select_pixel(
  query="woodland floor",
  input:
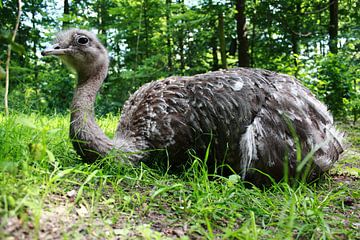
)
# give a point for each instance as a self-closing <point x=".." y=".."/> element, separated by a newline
<point x="50" y="194"/>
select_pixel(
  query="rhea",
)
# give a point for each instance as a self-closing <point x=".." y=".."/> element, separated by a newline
<point x="251" y="121"/>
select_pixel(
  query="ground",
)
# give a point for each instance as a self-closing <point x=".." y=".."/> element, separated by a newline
<point x="48" y="193"/>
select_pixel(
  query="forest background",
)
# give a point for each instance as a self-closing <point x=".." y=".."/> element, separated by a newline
<point x="316" y="41"/>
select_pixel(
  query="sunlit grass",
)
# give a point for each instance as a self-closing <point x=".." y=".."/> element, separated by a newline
<point x="40" y="174"/>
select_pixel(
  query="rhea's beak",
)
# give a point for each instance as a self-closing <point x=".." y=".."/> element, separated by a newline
<point x="55" y="50"/>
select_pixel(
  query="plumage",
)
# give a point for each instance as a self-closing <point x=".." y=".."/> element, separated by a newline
<point x="252" y="118"/>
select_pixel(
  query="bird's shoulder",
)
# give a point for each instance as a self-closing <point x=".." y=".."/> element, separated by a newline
<point x="232" y="88"/>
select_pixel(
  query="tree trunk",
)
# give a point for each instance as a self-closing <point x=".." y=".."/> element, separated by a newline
<point x="295" y="31"/>
<point x="181" y="51"/>
<point x="34" y="46"/>
<point x="215" y="59"/>
<point x="222" y="41"/>
<point x="320" y="46"/>
<point x="295" y="51"/>
<point x="168" y="36"/>
<point x="243" y="44"/>
<point x="213" y="40"/>
<point x="66" y="13"/>
<point x="101" y="12"/>
<point x="333" y="26"/>
<point x="181" y="33"/>
<point x="7" y="69"/>
<point x="146" y="26"/>
<point x="252" y="42"/>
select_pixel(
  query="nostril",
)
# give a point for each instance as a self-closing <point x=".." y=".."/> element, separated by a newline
<point x="57" y="47"/>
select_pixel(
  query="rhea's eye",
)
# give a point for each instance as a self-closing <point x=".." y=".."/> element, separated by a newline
<point x="82" y="40"/>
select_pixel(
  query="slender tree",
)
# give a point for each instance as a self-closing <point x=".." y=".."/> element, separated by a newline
<point x="66" y="14"/>
<point x="333" y="26"/>
<point x="222" y="40"/>
<point x="295" y="34"/>
<point x="35" y="41"/>
<point x="145" y="8"/>
<point x="252" y="42"/>
<point x="6" y="104"/>
<point x="181" y="34"/>
<point x="214" y="50"/>
<point x="102" y="19"/>
<point x="168" y="35"/>
<point x="243" y="44"/>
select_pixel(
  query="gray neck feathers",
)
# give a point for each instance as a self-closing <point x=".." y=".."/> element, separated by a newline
<point x="88" y="139"/>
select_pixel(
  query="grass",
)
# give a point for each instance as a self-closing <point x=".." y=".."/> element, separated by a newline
<point x="48" y="193"/>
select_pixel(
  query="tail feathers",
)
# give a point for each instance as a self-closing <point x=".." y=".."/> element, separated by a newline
<point x="333" y="147"/>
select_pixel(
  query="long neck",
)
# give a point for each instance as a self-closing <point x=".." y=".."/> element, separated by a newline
<point x="88" y="139"/>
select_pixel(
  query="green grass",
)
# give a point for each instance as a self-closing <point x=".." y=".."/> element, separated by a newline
<point x="47" y="192"/>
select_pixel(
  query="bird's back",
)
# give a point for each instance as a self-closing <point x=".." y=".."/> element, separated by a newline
<point x="250" y="118"/>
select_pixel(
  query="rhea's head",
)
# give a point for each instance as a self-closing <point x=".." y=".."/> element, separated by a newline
<point x="80" y="50"/>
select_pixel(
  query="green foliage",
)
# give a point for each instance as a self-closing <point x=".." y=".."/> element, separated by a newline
<point x="334" y="84"/>
<point x="2" y="73"/>
<point x="335" y="81"/>
<point x="5" y="38"/>
<point x="153" y="39"/>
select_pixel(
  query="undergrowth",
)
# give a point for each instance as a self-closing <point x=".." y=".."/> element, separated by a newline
<point x="47" y="192"/>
